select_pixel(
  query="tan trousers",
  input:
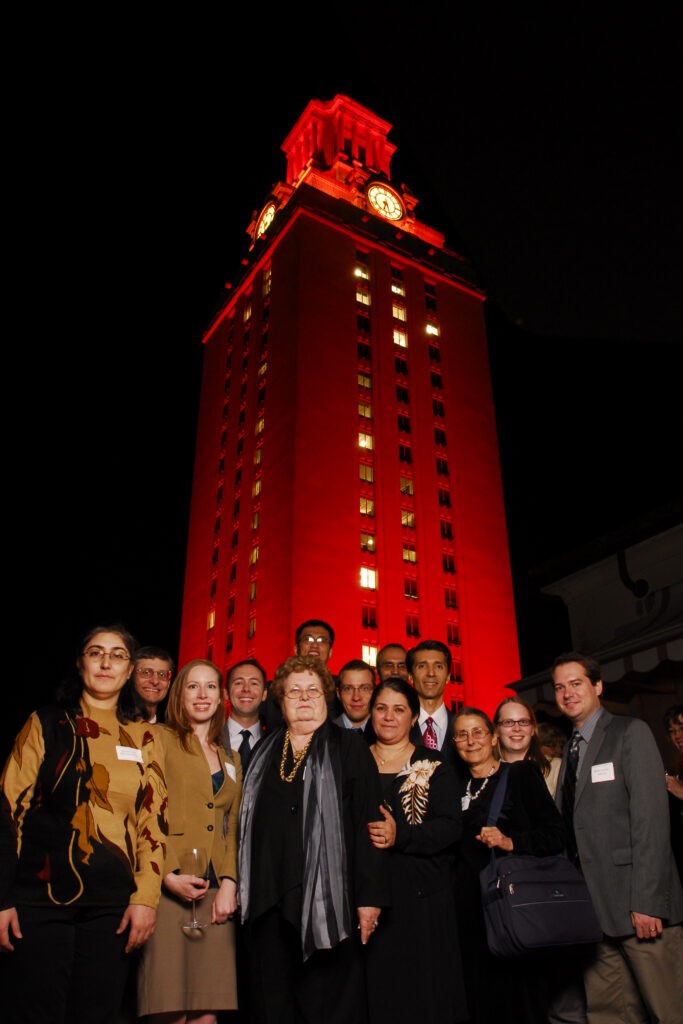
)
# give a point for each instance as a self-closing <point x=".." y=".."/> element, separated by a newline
<point x="633" y="981"/>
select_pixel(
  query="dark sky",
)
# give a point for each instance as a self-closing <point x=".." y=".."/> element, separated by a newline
<point x="546" y="153"/>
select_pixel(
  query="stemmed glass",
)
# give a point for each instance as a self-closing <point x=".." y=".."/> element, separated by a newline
<point x="193" y="861"/>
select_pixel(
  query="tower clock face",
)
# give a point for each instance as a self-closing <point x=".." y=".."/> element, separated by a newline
<point x="265" y="219"/>
<point x="385" y="202"/>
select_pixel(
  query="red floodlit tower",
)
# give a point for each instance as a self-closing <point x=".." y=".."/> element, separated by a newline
<point x="347" y="461"/>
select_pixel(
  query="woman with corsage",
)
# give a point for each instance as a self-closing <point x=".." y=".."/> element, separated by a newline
<point x="529" y="823"/>
<point x="311" y="883"/>
<point x="418" y="830"/>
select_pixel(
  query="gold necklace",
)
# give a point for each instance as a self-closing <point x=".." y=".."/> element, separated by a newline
<point x="298" y="758"/>
<point x="391" y="757"/>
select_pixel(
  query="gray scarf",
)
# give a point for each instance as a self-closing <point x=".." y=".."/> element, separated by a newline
<point x="326" y="909"/>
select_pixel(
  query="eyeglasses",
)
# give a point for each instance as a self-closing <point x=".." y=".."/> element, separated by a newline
<point x="311" y="693"/>
<point x="162" y="674"/>
<point x="98" y="653"/>
<point x="309" y="639"/>
<point x="673" y="730"/>
<point x="475" y="734"/>
<point x="365" y="689"/>
<point x="507" y="723"/>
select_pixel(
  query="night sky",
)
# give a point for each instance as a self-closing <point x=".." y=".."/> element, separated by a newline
<point x="545" y="152"/>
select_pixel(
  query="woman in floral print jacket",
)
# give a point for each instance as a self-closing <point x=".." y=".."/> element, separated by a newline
<point x="82" y="843"/>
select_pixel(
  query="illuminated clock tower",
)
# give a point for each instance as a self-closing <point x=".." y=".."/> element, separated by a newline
<point x="346" y="460"/>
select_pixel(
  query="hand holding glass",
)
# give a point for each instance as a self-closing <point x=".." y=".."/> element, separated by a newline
<point x="193" y="861"/>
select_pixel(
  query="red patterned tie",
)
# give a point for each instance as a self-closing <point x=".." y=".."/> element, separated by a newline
<point x="429" y="735"/>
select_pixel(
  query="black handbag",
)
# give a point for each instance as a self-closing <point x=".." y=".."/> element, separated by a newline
<point x="533" y="903"/>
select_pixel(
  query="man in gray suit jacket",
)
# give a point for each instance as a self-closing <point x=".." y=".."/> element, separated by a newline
<point x="622" y="844"/>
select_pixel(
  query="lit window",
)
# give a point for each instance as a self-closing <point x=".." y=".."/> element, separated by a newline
<point x="363" y="296"/>
<point x="211" y="619"/>
<point x="260" y="425"/>
<point x="267" y="275"/>
<point x="366" y="441"/>
<point x="247" y="312"/>
<point x="399" y="312"/>
<point x="263" y="367"/>
<point x="368" y="578"/>
<point x="364" y="380"/>
<point x="432" y="329"/>
<point x="255" y="520"/>
<point x="407" y="486"/>
<point x="256" y="489"/>
<point x="251" y="629"/>
<point x="253" y="555"/>
<point x="258" y="455"/>
<point x="363" y="273"/>
<point x="367" y="541"/>
<point x="407" y="518"/>
<point x="367" y="473"/>
<point x="409" y="553"/>
<point x="367" y="507"/>
<point x="400" y="337"/>
<point x="252" y="590"/>
<point x="365" y="409"/>
<point x="369" y="653"/>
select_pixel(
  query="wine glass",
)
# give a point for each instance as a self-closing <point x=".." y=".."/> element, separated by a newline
<point x="193" y="861"/>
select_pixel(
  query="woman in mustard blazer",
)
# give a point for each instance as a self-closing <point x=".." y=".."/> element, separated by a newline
<point x="190" y="971"/>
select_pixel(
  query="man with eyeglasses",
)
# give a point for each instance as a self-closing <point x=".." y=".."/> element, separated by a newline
<point x="391" y="661"/>
<point x="314" y="637"/>
<point x="354" y="690"/>
<point x="154" y="668"/>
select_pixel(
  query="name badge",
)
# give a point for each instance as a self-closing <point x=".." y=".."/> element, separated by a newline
<point x="465" y="801"/>
<point x="602" y="772"/>
<point x="230" y="769"/>
<point x="128" y="754"/>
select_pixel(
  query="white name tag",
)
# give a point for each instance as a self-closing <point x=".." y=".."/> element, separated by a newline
<point x="465" y="801"/>
<point x="602" y="772"/>
<point x="230" y="769"/>
<point x="128" y="754"/>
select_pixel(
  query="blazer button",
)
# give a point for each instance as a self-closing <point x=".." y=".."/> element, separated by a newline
<point x="210" y="806"/>
<point x="294" y="809"/>
<point x="209" y="828"/>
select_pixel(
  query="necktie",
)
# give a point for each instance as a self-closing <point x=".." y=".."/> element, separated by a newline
<point x="429" y="735"/>
<point x="245" y="749"/>
<point x="568" y="792"/>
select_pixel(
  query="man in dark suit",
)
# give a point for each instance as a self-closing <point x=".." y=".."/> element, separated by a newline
<point x="619" y="835"/>
<point x="429" y="669"/>
<point x="355" y="685"/>
<point x="245" y="685"/>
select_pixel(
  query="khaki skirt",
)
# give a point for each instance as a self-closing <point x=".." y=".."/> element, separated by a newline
<point x="178" y="972"/>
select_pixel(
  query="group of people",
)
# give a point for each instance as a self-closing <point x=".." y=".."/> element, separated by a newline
<point x="315" y="855"/>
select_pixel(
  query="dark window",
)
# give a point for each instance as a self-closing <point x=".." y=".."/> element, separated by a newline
<point x="440" y="437"/>
<point x="444" y="498"/>
<point x="442" y="467"/>
<point x="435" y="379"/>
<point x="446" y="530"/>
<point x="404" y="424"/>
<point x="412" y="625"/>
<point x="448" y="564"/>
<point x="401" y="366"/>
<point x="402" y="394"/>
<point x="404" y="453"/>
<point x="369" y="617"/>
